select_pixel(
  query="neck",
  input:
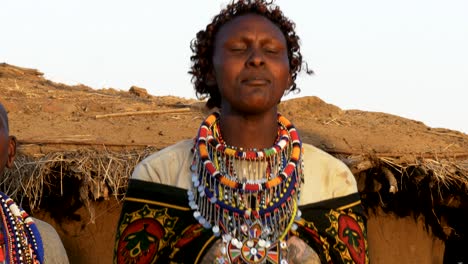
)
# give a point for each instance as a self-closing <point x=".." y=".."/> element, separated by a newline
<point x="252" y="131"/>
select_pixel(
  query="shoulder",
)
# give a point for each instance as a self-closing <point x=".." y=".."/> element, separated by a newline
<point x="182" y="148"/>
<point x="319" y="158"/>
<point x="166" y="165"/>
<point x="325" y="176"/>
<point x="54" y="252"/>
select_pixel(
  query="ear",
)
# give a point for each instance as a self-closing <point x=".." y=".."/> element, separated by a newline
<point x="288" y="86"/>
<point x="11" y="151"/>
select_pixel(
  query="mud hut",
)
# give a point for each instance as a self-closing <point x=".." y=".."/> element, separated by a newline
<point x="78" y="147"/>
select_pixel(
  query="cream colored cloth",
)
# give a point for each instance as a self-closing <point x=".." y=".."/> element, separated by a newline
<point x="325" y="177"/>
<point x="54" y="252"/>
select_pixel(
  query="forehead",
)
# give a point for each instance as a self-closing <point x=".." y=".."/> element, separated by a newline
<point x="247" y="24"/>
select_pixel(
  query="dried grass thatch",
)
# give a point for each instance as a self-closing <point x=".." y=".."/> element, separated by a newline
<point x="404" y="185"/>
<point x="70" y="178"/>
<point x="430" y="186"/>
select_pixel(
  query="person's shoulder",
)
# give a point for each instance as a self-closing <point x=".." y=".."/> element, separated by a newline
<point x="45" y="229"/>
<point x="181" y="148"/>
<point x="319" y="156"/>
<point x="54" y="251"/>
<point x="326" y="175"/>
<point x="167" y="165"/>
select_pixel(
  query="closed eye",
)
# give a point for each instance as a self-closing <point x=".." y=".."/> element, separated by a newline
<point x="271" y="49"/>
<point x="237" y="48"/>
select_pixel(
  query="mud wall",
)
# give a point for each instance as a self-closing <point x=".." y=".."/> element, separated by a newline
<point x="391" y="239"/>
<point x="87" y="242"/>
<point x="402" y="240"/>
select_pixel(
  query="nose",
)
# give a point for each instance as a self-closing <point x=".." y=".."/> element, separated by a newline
<point x="256" y="58"/>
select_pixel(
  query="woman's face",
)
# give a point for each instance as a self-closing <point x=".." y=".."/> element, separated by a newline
<point x="251" y="66"/>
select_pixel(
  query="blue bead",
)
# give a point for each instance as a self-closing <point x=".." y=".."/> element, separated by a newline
<point x="197" y="215"/>
<point x="207" y="225"/>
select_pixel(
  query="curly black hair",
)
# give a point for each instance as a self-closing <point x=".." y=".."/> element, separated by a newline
<point x="202" y="46"/>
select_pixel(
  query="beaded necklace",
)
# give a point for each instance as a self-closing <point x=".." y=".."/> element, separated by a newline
<point x="249" y="197"/>
<point x="21" y="241"/>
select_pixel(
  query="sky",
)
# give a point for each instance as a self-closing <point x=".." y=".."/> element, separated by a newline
<point x="407" y="58"/>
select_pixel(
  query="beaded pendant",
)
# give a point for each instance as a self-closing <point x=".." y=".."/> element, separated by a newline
<point x="248" y="197"/>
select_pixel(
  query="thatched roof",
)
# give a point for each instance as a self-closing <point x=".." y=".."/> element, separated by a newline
<point x="71" y="147"/>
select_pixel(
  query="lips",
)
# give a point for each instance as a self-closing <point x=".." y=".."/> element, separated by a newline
<point x="255" y="81"/>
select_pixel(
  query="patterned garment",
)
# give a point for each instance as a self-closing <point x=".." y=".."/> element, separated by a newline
<point x="335" y="229"/>
<point x="157" y="226"/>
<point x="20" y="241"/>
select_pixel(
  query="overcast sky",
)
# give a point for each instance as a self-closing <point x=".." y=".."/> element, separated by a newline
<point x="404" y="57"/>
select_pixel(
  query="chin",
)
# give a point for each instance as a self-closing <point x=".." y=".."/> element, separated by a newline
<point x="258" y="108"/>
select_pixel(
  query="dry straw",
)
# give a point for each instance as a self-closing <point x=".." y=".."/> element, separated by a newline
<point x="98" y="173"/>
<point x="405" y="185"/>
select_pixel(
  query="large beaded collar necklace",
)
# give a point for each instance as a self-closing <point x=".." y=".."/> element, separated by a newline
<point x="248" y="197"/>
<point x="20" y="241"/>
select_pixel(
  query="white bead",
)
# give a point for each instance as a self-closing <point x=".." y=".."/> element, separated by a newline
<point x="250" y="243"/>
<point x="262" y="243"/>
<point x="226" y="238"/>
<point x="283" y="245"/>
<point x="239" y="245"/>
<point x="248" y="212"/>
<point x="236" y="243"/>
<point x="192" y="205"/>
<point x="196" y="214"/>
<point x="244" y="228"/>
<point x="298" y="215"/>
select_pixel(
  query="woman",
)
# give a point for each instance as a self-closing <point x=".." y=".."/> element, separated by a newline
<point x="246" y="189"/>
